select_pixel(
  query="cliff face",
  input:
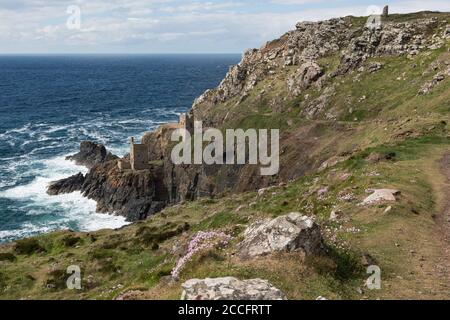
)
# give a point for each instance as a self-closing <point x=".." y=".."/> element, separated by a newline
<point x="294" y="79"/>
<point x="135" y="195"/>
<point x="310" y="83"/>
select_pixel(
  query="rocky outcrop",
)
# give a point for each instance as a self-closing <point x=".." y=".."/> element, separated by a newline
<point x="309" y="42"/>
<point x="134" y="195"/>
<point x="91" y="154"/>
<point x="292" y="232"/>
<point x="230" y="289"/>
<point x="302" y="79"/>
<point x="381" y="195"/>
<point x="69" y="185"/>
<point x="438" y="78"/>
<point x="447" y="31"/>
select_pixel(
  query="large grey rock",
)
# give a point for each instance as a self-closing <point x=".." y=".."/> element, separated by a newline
<point x="447" y="31"/>
<point x="230" y="288"/>
<point x="305" y="75"/>
<point x="292" y="232"/>
<point x="381" y="195"/>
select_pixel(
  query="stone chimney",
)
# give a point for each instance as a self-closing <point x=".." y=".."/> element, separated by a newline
<point x="385" y="11"/>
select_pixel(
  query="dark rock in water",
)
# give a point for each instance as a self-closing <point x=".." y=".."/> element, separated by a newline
<point x="68" y="185"/>
<point x="91" y="154"/>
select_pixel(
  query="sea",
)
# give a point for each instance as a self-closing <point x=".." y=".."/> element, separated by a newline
<point x="49" y="104"/>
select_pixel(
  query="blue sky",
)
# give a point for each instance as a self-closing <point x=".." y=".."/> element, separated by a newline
<point x="169" y="26"/>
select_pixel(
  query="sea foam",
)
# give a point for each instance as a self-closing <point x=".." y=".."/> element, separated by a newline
<point x="68" y="211"/>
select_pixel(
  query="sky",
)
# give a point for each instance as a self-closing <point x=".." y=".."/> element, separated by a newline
<point x="168" y="26"/>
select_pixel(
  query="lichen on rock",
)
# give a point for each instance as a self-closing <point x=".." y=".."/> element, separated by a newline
<point x="230" y="288"/>
<point x="292" y="232"/>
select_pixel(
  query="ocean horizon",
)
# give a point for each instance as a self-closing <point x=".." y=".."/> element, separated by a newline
<point x="50" y="103"/>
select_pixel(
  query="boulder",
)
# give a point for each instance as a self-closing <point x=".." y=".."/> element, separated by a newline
<point x="292" y="232"/>
<point x="131" y="295"/>
<point x="447" y="31"/>
<point x="230" y="288"/>
<point x="91" y="154"/>
<point x="376" y="157"/>
<point x="335" y="215"/>
<point x="306" y="74"/>
<point x="381" y="195"/>
<point x="374" y="67"/>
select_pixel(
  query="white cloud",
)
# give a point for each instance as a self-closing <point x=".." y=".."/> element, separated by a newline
<point x="166" y="25"/>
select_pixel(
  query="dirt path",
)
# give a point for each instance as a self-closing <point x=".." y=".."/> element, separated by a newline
<point x="443" y="218"/>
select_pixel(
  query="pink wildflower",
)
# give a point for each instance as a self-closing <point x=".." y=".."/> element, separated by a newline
<point x="201" y="241"/>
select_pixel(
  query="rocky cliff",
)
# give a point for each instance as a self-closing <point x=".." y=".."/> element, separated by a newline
<point x="292" y="84"/>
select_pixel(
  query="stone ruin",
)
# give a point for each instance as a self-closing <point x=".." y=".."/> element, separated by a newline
<point x="140" y="154"/>
<point x="139" y="159"/>
<point x="187" y="122"/>
<point x="385" y="13"/>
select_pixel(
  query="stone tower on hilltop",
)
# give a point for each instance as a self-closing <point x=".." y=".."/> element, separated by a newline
<point x="385" y="13"/>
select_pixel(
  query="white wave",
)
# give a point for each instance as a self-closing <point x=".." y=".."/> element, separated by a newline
<point x="102" y="221"/>
<point x="23" y="129"/>
<point x="57" y="128"/>
<point x="68" y="209"/>
<point x="36" y="150"/>
<point x="27" y="229"/>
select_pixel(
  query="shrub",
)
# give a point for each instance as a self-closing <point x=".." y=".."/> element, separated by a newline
<point x="70" y="240"/>
<point x="28" y="246"/>
<point x="7" y="256"/>
<point x="56" y="279"/>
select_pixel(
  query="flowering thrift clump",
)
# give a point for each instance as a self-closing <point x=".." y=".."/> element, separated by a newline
<point x="201" y="241"/>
